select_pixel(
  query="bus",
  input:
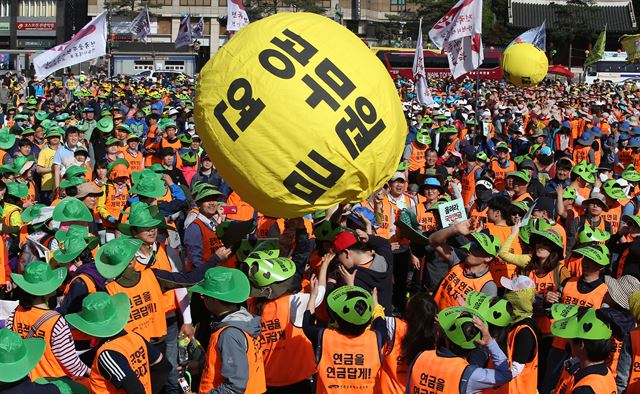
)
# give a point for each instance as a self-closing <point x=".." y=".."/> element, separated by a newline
<point x="399" y="62"/>
<point x="612" y="67"/>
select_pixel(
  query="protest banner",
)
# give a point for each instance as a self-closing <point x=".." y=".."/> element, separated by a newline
<point x="452" y="212"/>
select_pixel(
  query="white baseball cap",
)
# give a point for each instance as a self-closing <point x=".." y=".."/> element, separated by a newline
<point x="518" y="283"/>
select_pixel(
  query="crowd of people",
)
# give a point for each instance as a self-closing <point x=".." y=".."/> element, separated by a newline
<point x="129" y="265"/>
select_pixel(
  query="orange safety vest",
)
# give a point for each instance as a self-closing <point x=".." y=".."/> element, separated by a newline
<point x="574" y="265"/>
<point x="266" y="223"/>
<point x="599" y="384"/>
<point x="501" y="173"/>
<point x="581" y="153"/>
<point x="633" y="384"/>
<point x="635" y="159"/>
<point x="431" y="373"/>
<point x="133" y="347"/>
<point x="244" y="210"/>
<point x="212" y="375"/>
<point x="281" y="343"/>
<point x="417" y="159"/>
<point x="523" y="197"/>
<point x="613" y="216"/>
<point x="114" y="204"/>
<point x="136" y="163"/>
<point x="481" y="216"/>
<point x="147" y="316"/>
<point x="544" y="285"/>
<point x="452" y="147"/>
<point x="468" y="183"/>
<point x="625" y="156"/>
<point x="91" y="288"/>
<point x="621" y="262"/>
<point x="426" y="219"/>
<point x="499" y="267"/>
<point x="395" y="367"/>
<point x="571" y="295"/>
<point x="455" y="284"/>
<point x="162" y="263"/>
<point x="348" y="364"/>
<point x="527" y="381"/>
<point x="616" y="349"/>
<point x="210" y="242"/>
<point x="23" y="319"/>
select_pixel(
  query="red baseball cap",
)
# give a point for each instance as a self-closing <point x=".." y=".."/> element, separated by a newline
<point x="343" y="240"/>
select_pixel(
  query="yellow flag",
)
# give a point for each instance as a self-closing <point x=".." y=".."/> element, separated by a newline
<point x="631" y="45"/>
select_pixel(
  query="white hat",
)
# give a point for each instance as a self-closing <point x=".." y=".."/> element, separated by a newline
<point x="519" y="283"/>
<point x="398" y="175"/>
<point x="484" y="183"/>
<point x="468" y="108"/>
<point x="173" y="111"/>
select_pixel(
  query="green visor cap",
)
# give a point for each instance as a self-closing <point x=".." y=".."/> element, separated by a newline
<point x="114" y="256"/>
<point x="563" y="311"/>
<point x="583" y="171"/>
<point x="452" y="321"/>
<point x="270" y="246"/>
<point x="583" y="325"/>
<point x="613" y="190"/>
<point x="188" y="158"/>
<point x="488" y="243"/>
<point x="552" y="236"/>
<point x="326" y="231"/>
<point x="494" y="310"/>
<point x="570" y="193"/>
<point x="520" y="175"/>
<point x="597" y="253"/>
<point x="590" y="234"/>
<point x="632" y="220"/>
<point x="18" y="356"/>
<point x="403" y="166"/>
<point x="225" y="284"/>
<point x="521" y="205"/>
<point x="101" y="316"/>
<point x="352" y="304"/>
<point x="265" y="272"/>
<point x="631" y="174"/>
<point x="423" y="137"/>
<point x="39" y="279"/>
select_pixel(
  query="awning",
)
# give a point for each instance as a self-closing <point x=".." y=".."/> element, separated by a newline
<point x="558" y="69"/>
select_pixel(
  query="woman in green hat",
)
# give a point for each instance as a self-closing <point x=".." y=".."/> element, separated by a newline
<point x="12" y="204"/>
<point x="124" y="361"/>
<point x="33" y="317"/>
<point x="18" y="357"/>
<point x="588" y="236"/>
<point x="462" y="331"/>
<point x="628" y="251"/>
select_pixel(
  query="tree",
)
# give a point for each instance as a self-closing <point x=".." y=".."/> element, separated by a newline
<point x="258" y="9"/>
<point x="129" y="8"/>
<point x="565" y="29"/>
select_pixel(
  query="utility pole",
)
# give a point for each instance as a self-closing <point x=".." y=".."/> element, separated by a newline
<point x="109" y="63"/>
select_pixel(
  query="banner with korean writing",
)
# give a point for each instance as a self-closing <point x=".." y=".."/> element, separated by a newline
<point x="184" y="37"/>
<point x="288" y="113"/>
<point x="452" y="212"/>
<point x="89" y="43"/>
<point x="236" y="15"/>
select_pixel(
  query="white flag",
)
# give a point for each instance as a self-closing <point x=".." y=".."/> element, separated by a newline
<point x="458" y="33"/>
<point x="198" y="29"/>
<point x="536" y="36"/>
<point x="89" y="43"/>
<point x="184" y="33"/>
<point x="422" y="89"/>
<point x="236" y="15"/>
<point x="140" y="26"/>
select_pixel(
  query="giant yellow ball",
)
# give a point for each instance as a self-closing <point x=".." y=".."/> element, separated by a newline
<point x="298" y="114"/>
<point x="524" y="64"/>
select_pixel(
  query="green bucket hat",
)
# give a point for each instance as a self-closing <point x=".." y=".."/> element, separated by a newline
<point x="488" y="243"/>
<point x="114" y="256"/>
<point x="408" y="222"/>
<point x="224" y="284"/>
<point x="494" y="310"/>
<point x="613" y="190"/>
<point x="590" y="234"/>
<point x="570" y="193"/>
<point x="62" y="117"/>
<point x="72" y="242"/>
<point x="632" y="219"/>
<point x="158" y="168"/>
<point x="423" y="137"/>
<point x="28" y="131"/>
<point x="140" y="215"/>
<point x="17" y="189"/>
<point x="75" y="171"/>
<point x="105" y="112"/>
<point x="552" y="236"/>
<point x="112" y="141"/>
<point x="22" y="117"/>
<point x="268" y="246"/>
<point x="39" y="279"/>
<point x="105" y="124"/>
<point x="18" y="356"/>
<point x="64" y="385"/>
<point x="188" y="158"/>
<point x="53" y="132"/>
<point x="148" y="184"/>
<point x="31" y="212"/>
<point x="7" y="140"/>
<point x="41" y="115"/>
<point x="352" y="304"/>
<point x="582" y="325"/>
<point x="102" y="316"/>
<point x="583" y="171"/>
<point x="597" y="253"/>
<point x="75" y="181"/>
<point x="631" y="174"/>
<point x="185" y="138"/>
<point x="169" y="123"/>
<point x="452" y="320"/>
<point x="70" y="209"/>
<point x="267" y="271"/>
<point x="326" y="231"/>
<point x="520" y="175"/>
<point x="48" y="124"/>
<point x="23" y="164"/>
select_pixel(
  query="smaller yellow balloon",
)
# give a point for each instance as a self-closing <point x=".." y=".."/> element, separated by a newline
<point x="524" y="64"/>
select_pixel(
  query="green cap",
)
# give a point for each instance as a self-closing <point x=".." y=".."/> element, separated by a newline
<point x="631" y="174"/>
<point x="582" y="325"/>
<point x="502" y="145"/>
<point x="408" y="222"/>
<point x="31" y="212"/>
<point x="18" y="356"/>
<point x="494" y="310"/>
<point x="521" y="205"/>
<point x="185" y="138"/>
<point x="206" y="193"/>
<point x="7" y="140"/>
<point x="570" y="193"/>
<point x="453" y="319"/>
<point x="597" y="253"/>
<point x="523" y="175"/>
<point x="423" y="137"/>
<point x="17" y="189"/>
<point x="101" y="316"/>
<point x="124" y="127"/>
<point x="488" y="243"/>
<point x="81" y="127"/>
<point x="75" y="181"/>
<point x="189" y="158"/>
<point x="590" y="234"/>
<point x="158" y="168"/>
<point x="482" y="156"/>
<point x="403" y="166"/>
<point x="267" y="271"/>
<point x="148" y="184"/>
<point x="613" y="190"/>
<point x="70" y="209"/>
<point x="62" y="117"/>
<point x="41" y="115"/>
<point x="141" y="215"/>
<point x="114" y="256"/>
<point x="105" y="124"/>
<point x="169" y="123"/>
<point x="25" y="117"/>
<point x="268" y="246"/>
<point x="53" y="132"/>
<point x="352" y="304"/>
<point x="64" y="385"/>
<point x="75" y="171"/>
<point x="583" y="171"/>
<point x="225" y="284"/>
<point x="28" y="131"/>
<point x="326" y="231"/>
<point x="72" y="242"/>
<point x="551" y="235"/>
<point x="39" y="279"/>
<point x="112" y="141"/>
<point x="447" y="130"/>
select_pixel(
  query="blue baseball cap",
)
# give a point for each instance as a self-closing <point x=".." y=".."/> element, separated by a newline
<point x="432" y="182"/>
<point x="88" y="109"/>
<point x="546" y="151"/>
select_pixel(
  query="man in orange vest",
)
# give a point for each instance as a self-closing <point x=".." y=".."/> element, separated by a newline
<point x="233" y="359"/>
<point x="125" y="361"/>
<point x="502" y="165"/>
